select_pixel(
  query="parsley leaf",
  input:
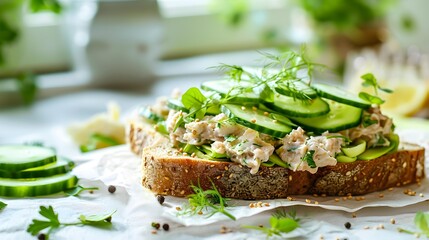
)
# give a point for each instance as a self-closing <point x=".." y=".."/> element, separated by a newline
<point x="281" y="222"/>
<point x="39" y="225"/>
<point x="78" y="189"/>
<point x="308" y="157"/>
<point x="53" y="221"/>
<point x="206" y="200"/>
<point x="2" y="205"/>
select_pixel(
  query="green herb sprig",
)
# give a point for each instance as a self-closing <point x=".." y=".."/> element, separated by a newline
<point x="421" y="220"/>
<point x="53" y="223"/>
<point x="282" y="70"/>
<point x="78" y="190"/>
<point x="369" y="80"/>
<point x="2" y="205"/>
<point x="280" y="222"/>
<point x="308" y="158"/>
<point x="206" y="200"/>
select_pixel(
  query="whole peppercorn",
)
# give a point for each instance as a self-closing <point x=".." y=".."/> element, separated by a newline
<point x="160" y="199"/>
<point x="111" y="189"/>
<point x="165" y="226"/>
<point x="156" y="225"/>
<point x="41" y="236"/>
<point x="348" y="225"/>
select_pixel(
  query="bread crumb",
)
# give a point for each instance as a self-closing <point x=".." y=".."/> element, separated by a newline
<point x="266" y="204"/>
<point x="307" y="200"/>
<point x="289" y="198"/>
<point x="353" y="215"/>
<point x="182" y="192"/>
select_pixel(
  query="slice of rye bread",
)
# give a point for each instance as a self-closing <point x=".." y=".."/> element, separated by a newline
<point x="166" y="171"/>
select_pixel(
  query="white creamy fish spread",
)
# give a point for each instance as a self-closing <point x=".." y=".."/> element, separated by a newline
<point x="299" y="150"/>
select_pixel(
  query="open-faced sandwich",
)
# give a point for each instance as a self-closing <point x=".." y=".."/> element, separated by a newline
<point x="270" y="134"/>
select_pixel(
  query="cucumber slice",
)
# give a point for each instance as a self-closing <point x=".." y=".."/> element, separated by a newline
<point x="376" y="152"/>
<point x="298" y="108"/>
<point x="340" y="117"/>
<point x="340" y="95"/>
<point x="274" y="158"/>
<point x="37" y="186"/>
<point x="15" y="158"/>
<point x="148" y="114"/>
<point x="288" y="90"/>
<point x="223" y="87"/>
<point x="255" y="119"/>
<point x="345" y="159"/>
<point x="62" y="165"/>
<point x="354" y="151"/>
<point x="176" y="104"/>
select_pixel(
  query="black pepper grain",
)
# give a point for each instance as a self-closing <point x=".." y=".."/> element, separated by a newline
<point x="160" y="199"/>
<point x="165" y="226"/>
<point x="41" y="236"/>
<point x="156" y="225"/>
<point x="111" y="189"/>
<point x="348" y="225"/>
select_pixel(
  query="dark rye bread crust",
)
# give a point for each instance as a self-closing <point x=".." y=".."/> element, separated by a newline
<point x="168" y="172"/>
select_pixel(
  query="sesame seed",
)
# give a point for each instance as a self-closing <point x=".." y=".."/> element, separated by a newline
<point x="266" y="113"/>
<point x="253" y="120"/>
<point x="315" y="195"/>
<point x="323" y="195"/>
<point x="178" y="208"/>
<point x="371" y="180"/>
<point x="153" y="231"/>
<point x="290" y="178"/>
<point x="353" y="215"/>
<point x="186" y="170"/>
<point x="355" y="178"/>
<point x="366" y="227"/>
<point x="392" y="221"/>
<point x="185" y="154"/>
<point x="231" y="175"/>
<point x="226" y="168"/>
<point x="243" y="108"/>
<point x="381" y="226"/>
<point x="274" y="121"/>
<point x="316" y="202"/>
<point x="307" y="200"/>
<point x="197" y="120"/>
<point x="254" y="108"/>
<point x="393" y="160"/>
<point x="193" y="155"/>
<point x="421" y="195"/>
<point x="200" y="212"/>
<point x="166" y="178"/>
<point x="182" y="192"/>
<point x="404" y="165"/>
<point x="266" y="204"/>
<point x="212" y="165"/>
<point x="390" y="189"/>
<point x="348" y="173"/>
<point x="337" y="199"/>
<point x="381" y="195"/>
<point x="289" y="198"/>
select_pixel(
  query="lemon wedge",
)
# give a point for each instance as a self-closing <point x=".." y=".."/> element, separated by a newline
<point x="407" y="98"/>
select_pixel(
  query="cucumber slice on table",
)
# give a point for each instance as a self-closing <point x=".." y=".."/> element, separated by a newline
<point x="223" y="87"/>
<point x="298" y="108"/>
<point x="293" y="87"/>
<point x="19" y="157"/>
<point x="340" y="95"/>
<point x="176" y="104"/>
<point x="37" y="186"/>
<point x="340" y="117"/>
<point x="62" y="165"/>
<point x="256" y="120"/>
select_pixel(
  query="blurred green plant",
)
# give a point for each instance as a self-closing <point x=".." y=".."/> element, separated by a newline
<point x="232" y="12"/>
<point x="345" y="15"/>
<point x="9" y="34"/>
